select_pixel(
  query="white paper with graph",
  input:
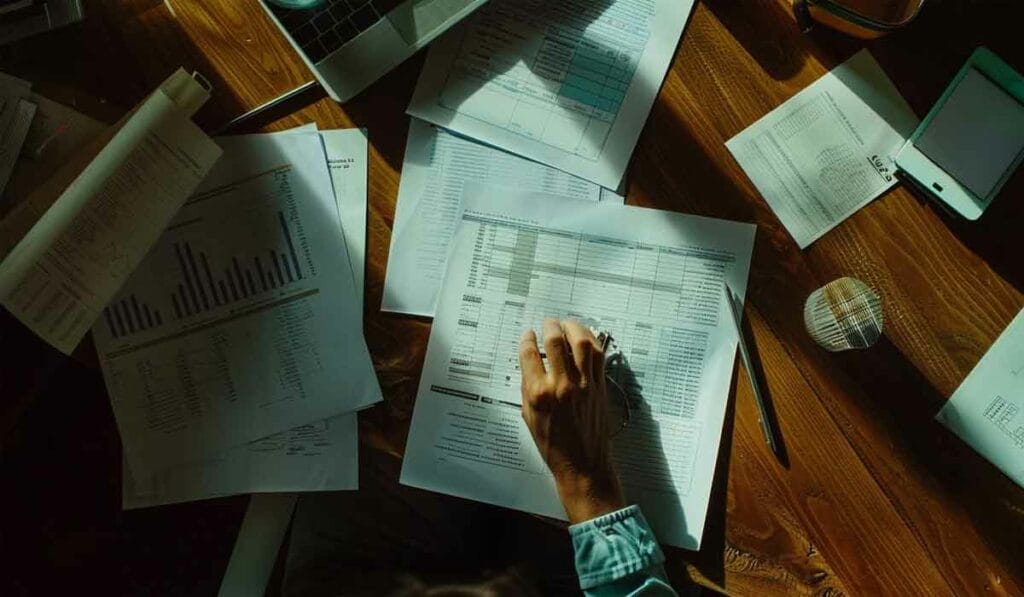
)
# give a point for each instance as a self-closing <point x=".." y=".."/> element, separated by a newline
<point x="568" y="84"/>
<point x="243" y="320"/>
<point x="320" y="456"/>
<point x="653" y="279"/>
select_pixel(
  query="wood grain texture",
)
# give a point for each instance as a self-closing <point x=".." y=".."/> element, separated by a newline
<point x="877" y="498"/>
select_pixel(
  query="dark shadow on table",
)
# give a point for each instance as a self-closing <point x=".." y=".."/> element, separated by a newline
<point x="710" y="559"/>
<point x="647" y="476"/>
<point x="119" y="64"/>
<point x="996" y="236"/>
<point x="381" y="107"/>
<point x="63" y="527"/>
<point x="895" y="391"/>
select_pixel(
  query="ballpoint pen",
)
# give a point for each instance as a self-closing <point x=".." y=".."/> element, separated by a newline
<point x="766" y="426"/>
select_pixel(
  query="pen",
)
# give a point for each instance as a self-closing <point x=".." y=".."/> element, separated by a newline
<point x="769" y="433"/>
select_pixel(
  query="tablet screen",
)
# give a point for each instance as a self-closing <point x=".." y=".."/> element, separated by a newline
<point x="977" y="133"/>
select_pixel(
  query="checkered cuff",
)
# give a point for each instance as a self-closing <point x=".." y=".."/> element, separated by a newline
<point x="614" y="546"/>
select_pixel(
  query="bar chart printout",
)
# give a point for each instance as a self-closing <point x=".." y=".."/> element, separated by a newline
<point x="201" y="282"/>
<point x="653" y="279"/>
<point x="242" y="321"/>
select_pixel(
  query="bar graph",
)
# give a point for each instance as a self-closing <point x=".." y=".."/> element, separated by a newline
<point x="210" y="281"/>
<point x="130" y="315"/>
<point x="200" y="274"/>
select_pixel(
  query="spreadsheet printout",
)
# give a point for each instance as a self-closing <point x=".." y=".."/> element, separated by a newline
<point x="321" y="456"/>
<point x="437" y="165"/>
<point x="987" y="410"/>
<point x="568" y="84"/>
<point x="243" y="320"/>
<point x="653" y="279"/>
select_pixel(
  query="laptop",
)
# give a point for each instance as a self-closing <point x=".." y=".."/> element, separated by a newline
<point x="349" y="44"/>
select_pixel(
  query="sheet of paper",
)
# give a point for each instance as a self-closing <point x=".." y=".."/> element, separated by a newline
<point x="437" y="165"/>
<point x="317" y="457"/>
<point x="243" y="321"/>
<point x="347" y="160"/>
<point x="987" y="410"/>
<point x="568" y="84"/>
<point x="14" y="139"/>
<point x="258" y="543"/>
<point x="653" y="279"/>
<point x="322" y="456"/>
<point x="61" y="275"/>
<point x="829" y="150"/>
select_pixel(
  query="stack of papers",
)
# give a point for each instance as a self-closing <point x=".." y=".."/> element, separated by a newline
<point x="234" y="355"/>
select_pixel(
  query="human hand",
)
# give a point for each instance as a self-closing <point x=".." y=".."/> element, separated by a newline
<point x="566" y="409"/>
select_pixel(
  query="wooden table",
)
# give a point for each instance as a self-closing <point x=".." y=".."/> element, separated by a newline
<point x="877" y="498"/>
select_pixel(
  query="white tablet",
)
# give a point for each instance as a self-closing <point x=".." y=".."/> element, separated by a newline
<point x="972" y="139"/>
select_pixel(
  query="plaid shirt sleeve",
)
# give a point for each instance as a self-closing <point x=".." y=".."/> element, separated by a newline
<point x="617" y="554"/>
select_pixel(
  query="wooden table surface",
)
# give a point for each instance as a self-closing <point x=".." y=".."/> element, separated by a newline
<point x="877" y="498"/>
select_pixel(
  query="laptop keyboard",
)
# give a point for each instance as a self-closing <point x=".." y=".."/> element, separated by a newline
<point x="322" y="30"/>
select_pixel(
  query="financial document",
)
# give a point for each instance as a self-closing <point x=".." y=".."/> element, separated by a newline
<point x="437" y="165"/>
<point x="243" y="320"/>
<point x="58" y="278"/>
<point x="987" y="410"/>
<point x="568" y="84"/>
<point x="829" y="150"/>
<point x="318" y="457"/>
<point x="653" y="279"/>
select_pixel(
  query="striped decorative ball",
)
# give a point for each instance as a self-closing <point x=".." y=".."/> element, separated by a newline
<point x="844" y="314"/>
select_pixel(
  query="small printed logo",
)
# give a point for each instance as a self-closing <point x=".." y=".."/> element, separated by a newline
<point x="881" y="167"/>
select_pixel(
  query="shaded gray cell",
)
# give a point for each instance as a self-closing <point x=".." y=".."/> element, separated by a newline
<point x="522" y="263"/>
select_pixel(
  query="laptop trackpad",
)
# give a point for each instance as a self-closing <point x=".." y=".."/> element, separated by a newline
<point x="417" y="19"/>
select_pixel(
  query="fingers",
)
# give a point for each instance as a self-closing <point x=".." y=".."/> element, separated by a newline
<point x="598" y="360"/>
<point x="530" y="364"/>
<point x="556" y="349"/>
<point x="583" y="345"/>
